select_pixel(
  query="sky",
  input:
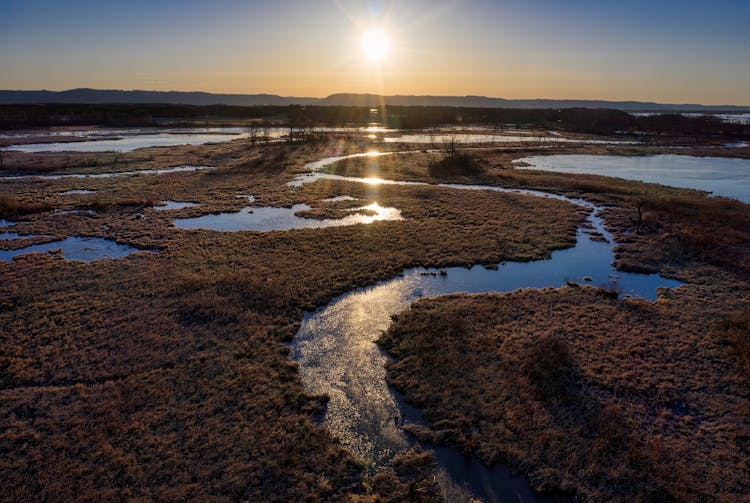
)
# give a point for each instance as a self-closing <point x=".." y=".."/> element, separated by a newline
<point x="670" y="51"/>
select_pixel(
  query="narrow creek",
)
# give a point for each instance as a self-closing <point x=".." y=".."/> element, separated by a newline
<point x="337" y="354"/>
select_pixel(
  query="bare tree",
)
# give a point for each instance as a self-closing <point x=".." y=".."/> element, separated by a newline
<point x="450" y="147"/>
<point x="253" y="130"/>
<point x="638" y="222"/>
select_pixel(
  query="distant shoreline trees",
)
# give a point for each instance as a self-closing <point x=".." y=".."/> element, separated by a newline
<point x="307" y="118"/>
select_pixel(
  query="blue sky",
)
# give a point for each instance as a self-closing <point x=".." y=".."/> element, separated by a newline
<point x="664" y="51"/>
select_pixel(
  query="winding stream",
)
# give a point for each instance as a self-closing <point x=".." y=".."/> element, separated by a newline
<point x="337" y="354"/>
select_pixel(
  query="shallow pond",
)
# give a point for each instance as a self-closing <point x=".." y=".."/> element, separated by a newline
<point x="126" y="144"/>
<point x="736" y="118"/>
<point x="443" y="138"/>
<point x="174" y="205"/>
<point x="270" y="219"/>
<point x="337" y="354"/>
<point x="127" y="140"/>
<point x="77" y="191"/>
<point x="721" y="176"/>
<point x="174" y="169"/>
<point x="74" y="248"/>
<point x="12" y="235"/>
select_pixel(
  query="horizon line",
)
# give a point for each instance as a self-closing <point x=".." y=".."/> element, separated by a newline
<point x="645" y="101"/>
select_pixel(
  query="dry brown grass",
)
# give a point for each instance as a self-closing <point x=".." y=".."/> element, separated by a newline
<point x="682" y="232"/>
<point x="11" y="207"/>
<point x="734" y="331"/>
<point x="613" y="400"/>
<point x="165" y="376"/>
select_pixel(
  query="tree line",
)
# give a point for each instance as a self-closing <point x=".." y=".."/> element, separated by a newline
<point x="581" y="120"/>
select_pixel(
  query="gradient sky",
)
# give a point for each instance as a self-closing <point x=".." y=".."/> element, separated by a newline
<point x="659" y="50"/>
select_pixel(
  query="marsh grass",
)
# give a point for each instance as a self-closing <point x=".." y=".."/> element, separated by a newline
<point x="166" y="377"/>
<point x="549" y="368"/>
<point x="735" y="332"/>
<point x="11" y="207"/>
<point x="100" y="205"/>
<point x="677" y="228"/>
<point x="601" y="397"/>
<point x="457" y="164"/>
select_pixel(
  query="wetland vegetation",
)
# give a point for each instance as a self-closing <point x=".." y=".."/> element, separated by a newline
<point x="167" y="375"/>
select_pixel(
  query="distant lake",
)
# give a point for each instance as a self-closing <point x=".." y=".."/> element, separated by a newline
<point x="441" y="138"/>
<point x="736" y="118"/>
<point x="128" y="143"/>
<point x="719" y="175"/>
<point x="129" y="139"/>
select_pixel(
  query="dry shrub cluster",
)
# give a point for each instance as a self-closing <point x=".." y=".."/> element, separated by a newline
<point x="549" y="368"/>
<point x="455" y="165"/>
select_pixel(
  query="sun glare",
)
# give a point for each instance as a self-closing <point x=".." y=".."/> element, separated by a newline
<point x="375" y="45"/>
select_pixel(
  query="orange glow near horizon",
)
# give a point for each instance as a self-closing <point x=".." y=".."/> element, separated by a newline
<point x="313" y="49"/>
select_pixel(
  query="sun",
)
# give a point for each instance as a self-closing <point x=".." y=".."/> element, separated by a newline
<point x="375" y="45"/>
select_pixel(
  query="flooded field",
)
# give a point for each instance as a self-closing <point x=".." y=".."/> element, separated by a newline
<point x="127" y="140"/>
<point x="720" y="176"/>
<point x="335" y="345"/>
<point x="273" y="219"/>
<point x="174" y="169"/>
<point x="468" y="138"/>
<point x="71" y="248"/>
<point x="127" y="144"/>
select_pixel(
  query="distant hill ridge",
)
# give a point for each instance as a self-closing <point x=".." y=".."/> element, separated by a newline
<point x="102" y="96"/>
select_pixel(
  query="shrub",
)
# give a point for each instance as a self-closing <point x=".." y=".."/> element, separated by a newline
<point x="549" y="367"/>
<point x="460" y="164"/>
